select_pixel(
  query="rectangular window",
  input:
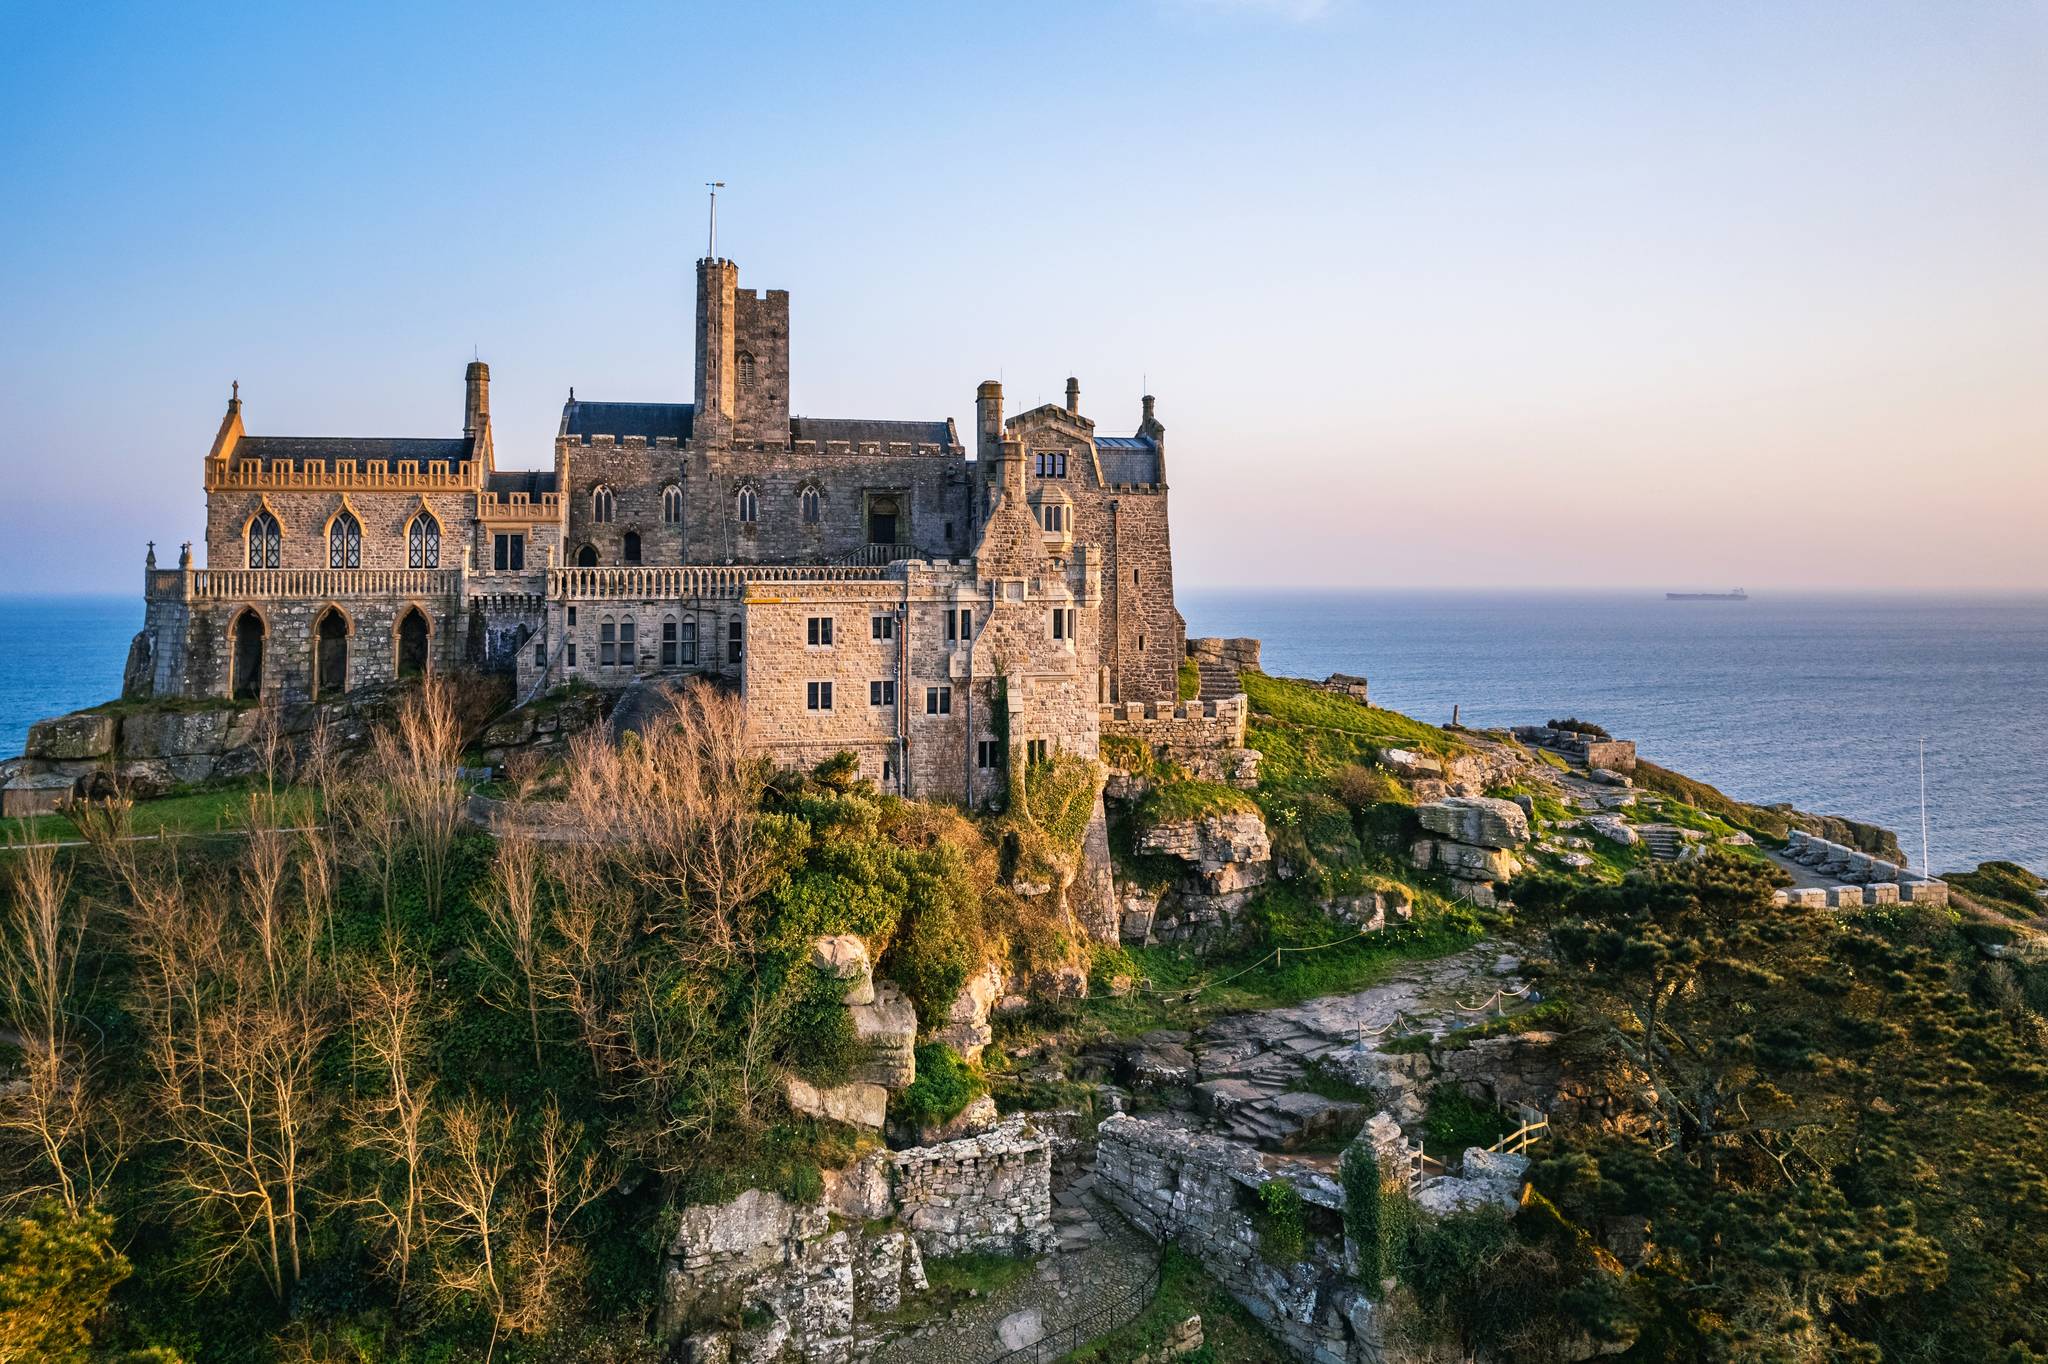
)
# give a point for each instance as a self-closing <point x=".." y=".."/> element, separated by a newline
<point x="1035" y="750"/>
<point x="628" y="655"/>
<point x="668" y="644"/>
<point x="882" y="693"/>
<point x="817" y="696"/>
<point x="960" y="624"/>
<point x="735" y="639"/>
<point x="508" y="552"/>
<point x="571" y="654"/>
<point x="540" y="655"/>
<point x="888" y="771"/>
<point x="820" y="633"/>
<point x="1052" y="464"/>
<point x="607" y="645"/>
<point x="572" y="617"/>
<point x="1059" y="623"/>
<point x="882" y="627"/>
<point x="687" y="648"/>
<point x="938" y="700"/>
<point x="985" y="754"/>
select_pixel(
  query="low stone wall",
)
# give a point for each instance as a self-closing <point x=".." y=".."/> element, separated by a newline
<point x="1865" y="879"/>
<point x="814" y="1275"/>
<point x="1237" y="652"/>
<point x="1615" y="755"/>
<point x="1190" y="1189"/>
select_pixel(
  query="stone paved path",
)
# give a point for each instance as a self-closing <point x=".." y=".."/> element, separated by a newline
<point x="1100" y="1259"/>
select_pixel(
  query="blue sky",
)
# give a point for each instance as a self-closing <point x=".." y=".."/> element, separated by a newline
<point x="1431" y="294"/>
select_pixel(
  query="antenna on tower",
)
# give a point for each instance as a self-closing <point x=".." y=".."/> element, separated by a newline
<point x="711" y="245"/>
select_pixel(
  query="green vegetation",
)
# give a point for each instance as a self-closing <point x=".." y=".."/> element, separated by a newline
<point x="1378" y="1215"/>
<point x="57" y="1271"/>
<point x="1457" y="1121"/>
<point x="959" y="1276"/>
<point x="1287" y="701"/>
<point x="1230" y="1334"/>
<point x="945" y="1084"/>
<point x="1281" y="1221"/>
<point x="1190" y="680"/>
<point x="2006" y="887"/>
<point x="206" y="809"/>
<point x="1172" y="801"/>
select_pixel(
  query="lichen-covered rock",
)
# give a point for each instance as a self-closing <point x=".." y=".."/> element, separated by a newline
<point x="1211" y="840"/>
<point x="1464" y="860"/>
<point x="857" y="1104"/>
<point x="888" y="1027"/>
<point x="71" y="738"/>
<point x="1489" y="1178"/>
<point x="978" y="1117"/>
<point x="1479" y="820"/>
<point x="1613" y="828"/>
<point x="966" y="1029"/>
<point x="844" y="956"/>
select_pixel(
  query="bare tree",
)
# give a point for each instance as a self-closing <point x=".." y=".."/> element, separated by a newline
<point x="55" y="1112"/>
<point x="392" y="1013"/>
<point x="470" y="1212"/>
<point x="417" y="760"/>
<point x="515" y="913"/>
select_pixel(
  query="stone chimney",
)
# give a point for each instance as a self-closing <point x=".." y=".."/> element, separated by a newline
<point x="1073" y="396"/>
<point x="476" y="402"/>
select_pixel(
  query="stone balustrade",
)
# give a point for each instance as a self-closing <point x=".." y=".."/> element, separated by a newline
<point x="308" y="584"/>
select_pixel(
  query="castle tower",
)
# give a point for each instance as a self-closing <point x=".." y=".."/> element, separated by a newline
<point x="476" y="411"/>
<point x="742" y="359"/>
<point x="717" y="281"/>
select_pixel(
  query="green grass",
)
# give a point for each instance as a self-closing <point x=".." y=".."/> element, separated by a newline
<point x="198" y="810"/>
<point x="168" y="705"/>
<point x="1324" y="1079"/>
<point x="1551" y="1013"/>
<point x="1288" y="701"/>
<point x="961" y="1275"/>
<point x="1190" y="680"/>
<point x="1456" y="1121"/>
<point x="1190" y="800"/>
<point x="2004" y="886"/>
<point x="1230" y="1334"/>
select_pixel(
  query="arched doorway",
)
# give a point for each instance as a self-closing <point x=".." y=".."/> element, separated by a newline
<point x="586" y="557"/>
<point x="245" y="665"/>
<point x="412" y="643"/>
<point x="882" y="519"/>
<point x="330" y="654"/>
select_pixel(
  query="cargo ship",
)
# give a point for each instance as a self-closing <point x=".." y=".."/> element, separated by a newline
<point x="1737" y="595"/>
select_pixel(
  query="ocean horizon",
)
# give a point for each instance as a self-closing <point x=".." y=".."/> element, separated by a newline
<point x="1817" y="699"/>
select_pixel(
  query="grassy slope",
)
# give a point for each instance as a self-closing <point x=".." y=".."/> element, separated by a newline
<point x="200" y="810"/>
<point x="1230" y="1334"/>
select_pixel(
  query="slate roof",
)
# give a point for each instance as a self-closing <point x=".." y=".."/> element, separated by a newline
<point x="532" y="482"/>
<point x="822" y="429"/>
<point x="294" y="451"/>
<point x="651" y="420"/>
<point x="1127" y="459"/>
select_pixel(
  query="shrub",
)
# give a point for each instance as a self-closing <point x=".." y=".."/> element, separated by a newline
<point x="1282" y="1222"/>
<point x="1359" y="786"/>
<point x="1578" y="726"/>
<point x="1457" y="1121"/>
<point x="1378" y="1215"/>
<point x="945" y="1085"/>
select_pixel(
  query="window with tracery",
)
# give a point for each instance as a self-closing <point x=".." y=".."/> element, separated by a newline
<point x="813" y="506"/>
<point x="264" y="541"/>
<point x="749" y="508"/>
<point x="423" y="542"/>
<point x="603" y="506"/>
<point x="345" y="542"/>
<point x="672" y="505"/>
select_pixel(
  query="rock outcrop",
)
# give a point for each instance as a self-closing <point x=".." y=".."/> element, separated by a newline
<point x="887" y="1026"/>
<point x="1227" y="855"/>
<point x="1473" y="844"/>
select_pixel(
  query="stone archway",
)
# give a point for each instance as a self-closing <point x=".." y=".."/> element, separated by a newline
<point x="330" y="653"/>
<point x="413" y="637"/>
<point x="586" y="557"/>
<point x="245" y="659"/>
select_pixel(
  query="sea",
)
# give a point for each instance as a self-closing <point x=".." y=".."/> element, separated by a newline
<point x="1823" y="701"/>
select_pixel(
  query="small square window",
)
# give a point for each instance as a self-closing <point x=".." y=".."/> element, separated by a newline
<point x="817" y="696"/>
<point x="882" y="627"/>
<point x="819" y="634"/>
<point x="938" y="700"/>
<point x="960" y="625"/>
<point x="882" y="693"/>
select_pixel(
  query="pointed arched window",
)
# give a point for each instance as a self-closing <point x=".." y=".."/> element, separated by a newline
<point x="812" y="505"/>
<point x="264" y="541"/>
<point x="345" y="542"/>
<point x="603" y="506"/>
<point x="423" y="542"/>
<point x="745" y="365"/>
<point x="749" y="507"/>
<point x="672" y="505"/>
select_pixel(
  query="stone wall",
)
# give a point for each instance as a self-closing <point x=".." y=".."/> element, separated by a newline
<point x="820" y="1273"/>
<point x="1616" y="755"/>
<point x="1205" y="737"/>
<point x="1194" y="1190"/>
<point x="1864" y="879"/>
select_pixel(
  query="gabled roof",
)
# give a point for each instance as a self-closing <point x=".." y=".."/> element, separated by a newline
<point x="1127" y="459"/>
<point x="651" y="420"/>
<point x="854" y="431"/>
<point x="294" y="451"/>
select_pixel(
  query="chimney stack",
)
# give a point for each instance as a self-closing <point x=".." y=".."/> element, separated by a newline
<point x="1073" y="397"/>
<point x="476" y="403"/>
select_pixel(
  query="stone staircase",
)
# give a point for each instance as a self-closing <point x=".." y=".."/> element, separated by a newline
<point x="1662" y="841"/>
<point x="1219" y="679"/>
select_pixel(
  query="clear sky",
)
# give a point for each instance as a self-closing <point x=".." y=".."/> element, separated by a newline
<point x="1431" y="294"/>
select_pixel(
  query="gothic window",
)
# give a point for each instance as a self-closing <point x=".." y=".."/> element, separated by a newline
<point x="686" y="648"/>
<point x="263" y="541"/>
<point x="1052" y="464"/>
<point x="668" y="642"/>
<point x="672" y="505"/>
<point x="607" y="644"/>
<point x="1053" y="516"/>
<point x="345" y="542"/>
<point x="586" y="557"/>
<point x="749" y="507"/>
<point x="745" y="365"/>
<point x="603" y="506"/>
<point x="629" y="547"/>
<point x="812" y="506"/>
<point x="423" y="542"/>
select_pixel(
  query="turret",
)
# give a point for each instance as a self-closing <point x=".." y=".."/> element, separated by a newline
<point x="717" y="281"/>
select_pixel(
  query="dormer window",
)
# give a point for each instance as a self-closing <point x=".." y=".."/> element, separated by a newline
<point x="1052" y="464"/>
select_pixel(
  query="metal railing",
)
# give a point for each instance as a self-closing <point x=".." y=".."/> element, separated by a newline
<point x="1109" y="1317"/>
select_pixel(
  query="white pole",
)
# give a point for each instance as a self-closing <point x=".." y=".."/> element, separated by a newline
<point x="1925" y="866"/>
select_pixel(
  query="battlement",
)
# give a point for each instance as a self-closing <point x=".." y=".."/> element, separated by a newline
<point x="519" y="506"/>
<point x="405" y="475"/>
<point x="597" y="440"/>
<point x="1205" y="737"/>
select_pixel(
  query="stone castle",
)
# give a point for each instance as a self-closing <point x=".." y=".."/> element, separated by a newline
<point x="869" y="586"/>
